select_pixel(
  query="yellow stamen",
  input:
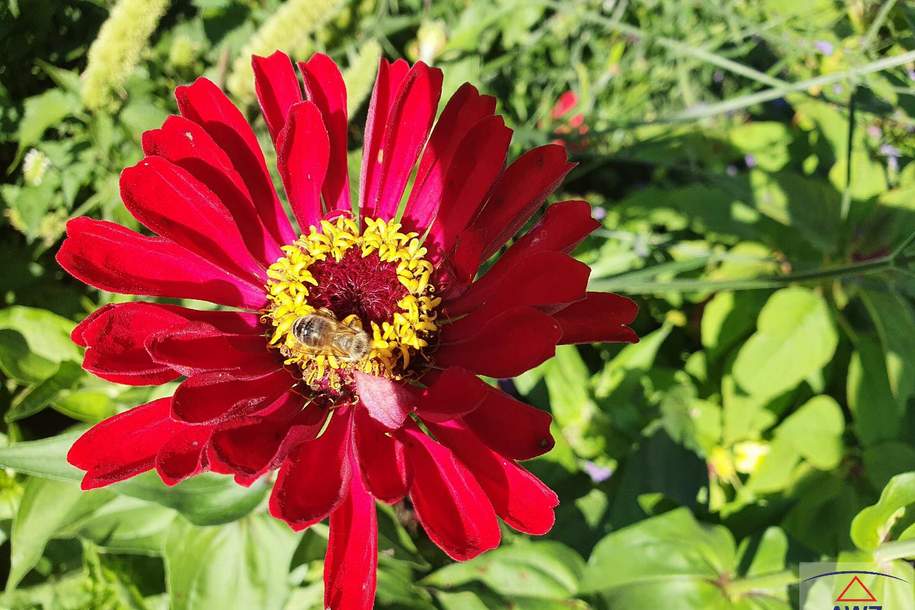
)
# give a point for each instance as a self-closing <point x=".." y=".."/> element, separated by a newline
<point x="394" y="343"/>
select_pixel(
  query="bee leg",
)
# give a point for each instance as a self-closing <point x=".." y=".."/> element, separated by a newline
<point x="352" y="321"/>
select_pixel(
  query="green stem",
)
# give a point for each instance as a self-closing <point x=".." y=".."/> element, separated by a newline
<point x="865" y="267"/>
<point x="899" y="549"/>
<point x="764" y="583"/>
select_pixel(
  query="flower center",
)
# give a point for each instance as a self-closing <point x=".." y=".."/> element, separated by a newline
<point x="342" y="300"/>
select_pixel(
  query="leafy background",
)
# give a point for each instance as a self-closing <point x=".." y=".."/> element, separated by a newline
<point x="751" y="162"/>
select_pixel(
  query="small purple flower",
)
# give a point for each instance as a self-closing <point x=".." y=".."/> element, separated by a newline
<point x="874" y="131"/>
<point x="825" y="47"/>
<point x="598" y="213"/>
<point x="888" y="150"/>
<point x="750" y="160"/>
<point x="598" y="474"/>
<point x="911" y="74"/>
<point x="718" y="76"/>
<point x="892" y="157"/>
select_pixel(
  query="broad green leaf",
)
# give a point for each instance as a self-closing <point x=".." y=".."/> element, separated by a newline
<point x="625" y="368"/>
<point x="815" y="431"/>
<point x="582" y="423"/>
<point x="769" y="554"/>
<point x="877" y="414"/>
<point x="885" y="460"/>
<point x="85" y="405"/>
<point x="808" y="204"/>
<point x="463" y="600"/>
<point x="47" y="334"/>
<point x="125" y="525"/>
<point x="46" y="507"/>
<point x="727" y="318"/>
<point x="895" y="321"/>
<point x="43" y="111"/>
<point x="795" y="338"/>
<point x="36" y="397"/>
<point x="872" y="525"/>
<point x="205" y="499"/>
<point x="243" y="564"/>
<point x="18" y="362"/>
<point x="668" y="555"/>
<point x="547" y="570"/>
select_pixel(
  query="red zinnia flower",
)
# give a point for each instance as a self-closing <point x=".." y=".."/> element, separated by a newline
<point x="349" y="358"/>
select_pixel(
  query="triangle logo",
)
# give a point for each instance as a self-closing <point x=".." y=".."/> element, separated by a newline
<point x="856" y="591"/>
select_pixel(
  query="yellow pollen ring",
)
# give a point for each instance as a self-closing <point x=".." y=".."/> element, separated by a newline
<point x="395" y="342"/>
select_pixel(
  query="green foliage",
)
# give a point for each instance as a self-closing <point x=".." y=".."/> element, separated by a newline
<point x="752" y="164"/>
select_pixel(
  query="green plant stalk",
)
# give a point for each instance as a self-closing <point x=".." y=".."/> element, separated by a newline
<point x="738" y="103"/>
<point x="852" y="269"/>
<point x="764" y="583"/>
<point x="899" y="549"/>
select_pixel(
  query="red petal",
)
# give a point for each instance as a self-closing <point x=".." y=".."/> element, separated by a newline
<point x="313" y="480"/>
<point x="449" y="502"/>
<point x="465" y="109"/>
<point x="387" y="402"/>
<point x="562" y="227"/>
<point x="115" y="338"/>
<point x="277" y="89"/>
<point x="197" y="347"/>
<point x="303" y="150"/>
<point x="601" y="316"/>
<point x="253" y="445"/>
<point x="543" y="278"/>
<point x="525" y="184"/>
<point x="324" y="86"/>
<point x="189" y="146"/>
<point x="387" y="85"/>
<point x="112" y="258"/>
<point x="453" y="393"/>
<point x="183" y="455"/>
<point x="518" y="497"/>
<point x="351" y="562"/>
<point x="381" y="457"/>
<point x="459" y="188"/>
<point x="514" y="429"/>
<point x="205" y="104"/>
<point x="507" y="345"/>
<point x="123" y="446"/>
<point x="171" y="202"/>
<point x="216" y="397"/>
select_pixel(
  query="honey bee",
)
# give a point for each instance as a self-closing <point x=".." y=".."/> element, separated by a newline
<point x="321" y="333"/>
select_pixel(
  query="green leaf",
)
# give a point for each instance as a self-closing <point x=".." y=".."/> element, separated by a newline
<point x="238" y="565"/>
<point x="43" y="111"/>
<point x="35" y="398"/>
<point x="669" y="561"/>
<point x="47" y="334"/>
<point x="895" y="322"/>
<point x="205" y="499"/>
<point x="815" y="431"/>
<point x="125" y="525"/>
<point x="46" y="507"/>
<point x="872" y="525"/>
<point x="547" y="570"/>
<point x="728" y="318"/>
<point x="579" y="417"/>
<point x="18" y="362"/>
<point x="877" y="414"/>
<point x="795" y="338"/>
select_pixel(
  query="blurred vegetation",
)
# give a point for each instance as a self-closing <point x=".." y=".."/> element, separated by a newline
<point x="752" y="164"/>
